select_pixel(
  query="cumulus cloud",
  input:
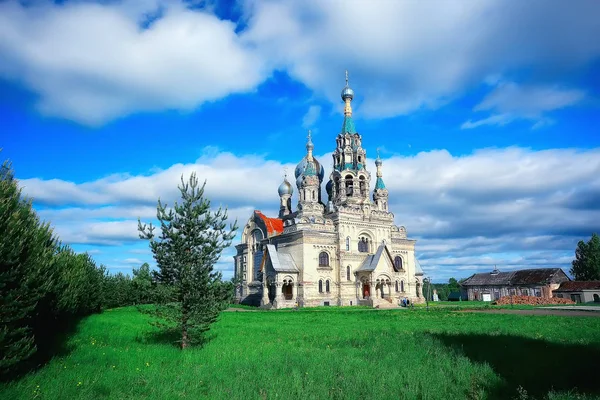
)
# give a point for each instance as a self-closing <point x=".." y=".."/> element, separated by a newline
<point x="95" y="62"/>
<point x="407" y="55"/>
<point x="511" y="207"/>
<point x="509" y="101"/>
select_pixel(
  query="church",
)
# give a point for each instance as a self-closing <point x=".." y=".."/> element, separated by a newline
<point x="343" y="252"/>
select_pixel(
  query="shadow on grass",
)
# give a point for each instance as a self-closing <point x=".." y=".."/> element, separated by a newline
<point x="537" y="366"/>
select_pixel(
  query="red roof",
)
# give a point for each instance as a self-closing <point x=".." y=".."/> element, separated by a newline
<point x="274" y="225"/>
<point x="576" y="286"/>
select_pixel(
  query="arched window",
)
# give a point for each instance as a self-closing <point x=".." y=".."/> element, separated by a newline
<point x="396" y="286"/>
<point x="596" y="298"/>
<point x="348" y="243"/>
<point x="363" y="186"/>
<point x="327" y="286"/>
<point x="348" y="272"/>
<point x="314" y="194"/>
<point x="402" y="286"/>
<point x="363" y="245"/>
<point x="323" y="259"/>
<point x="349" y="185"/>
<point x="320" y="286"/>
<point x="398" y="263"/>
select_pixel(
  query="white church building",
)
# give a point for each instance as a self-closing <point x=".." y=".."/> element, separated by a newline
<point x="344" y="252"/>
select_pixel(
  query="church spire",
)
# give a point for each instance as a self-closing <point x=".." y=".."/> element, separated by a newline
<point x="309" y="146"/>
<point x="380" y="194"/>
<point x="347" y="96"/>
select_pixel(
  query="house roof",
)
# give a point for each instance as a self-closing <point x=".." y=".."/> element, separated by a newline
<point x="274" y="225"/>
<point x="577" y="286"/>
<point x="370" y="263"/>
<point x="522" y="277"/>
<point x="418" y="269"/>
<point x="281" y="262"/>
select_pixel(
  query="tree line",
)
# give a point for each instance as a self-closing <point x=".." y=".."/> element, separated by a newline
<point x="46" y="287"/>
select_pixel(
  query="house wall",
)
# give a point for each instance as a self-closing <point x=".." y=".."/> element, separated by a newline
<point x="476" y="292"/>
<point x="586" y="295"/>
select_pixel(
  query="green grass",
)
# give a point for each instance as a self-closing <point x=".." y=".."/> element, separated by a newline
<point x="327" y="353"/>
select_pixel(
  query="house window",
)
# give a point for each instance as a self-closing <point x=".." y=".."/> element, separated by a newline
<point x="348" y="272"/>
<point x="538" y="292"/>
<point x="320" y="286"/>
<point x="323" y="259"/>
<point x="525" y="292"/>
<point x="348" y="243"/>
<point x="560" y="296"/>
<point x="398" y="263"/>
<point x="327" y="286"/>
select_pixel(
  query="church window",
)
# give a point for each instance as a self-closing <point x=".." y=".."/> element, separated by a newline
<point x="313" y="195"/>
<point x="348" y="272"/>
<point x="363" y="245"/>
<point x="349" y="185"/>
<point x="321" y="286"/>
<point x="396" y="286"/>
<point x="402" y="286"/>
<point x="363" y="186"/>
<point x="323" y="259"/>
<point x="398" y="264"/>
<point x="327" y="286"/>
<point x="348" y="243"/>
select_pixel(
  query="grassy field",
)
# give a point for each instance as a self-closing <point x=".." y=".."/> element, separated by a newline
<point x="327" y="353"/>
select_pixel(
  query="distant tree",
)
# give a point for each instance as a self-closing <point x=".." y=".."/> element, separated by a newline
<point x="586" y="266"/>
<point x="191" y="241"/>
<point x="142" y="284"/>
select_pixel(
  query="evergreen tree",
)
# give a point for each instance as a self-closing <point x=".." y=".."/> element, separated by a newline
<point x="586" y="266"/>
<point x="142" y="284"/>
<point x="191" y="241"/>
<point x="26" y="249"/>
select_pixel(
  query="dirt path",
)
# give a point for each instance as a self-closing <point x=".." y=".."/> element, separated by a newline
<point x="566" y="313"/>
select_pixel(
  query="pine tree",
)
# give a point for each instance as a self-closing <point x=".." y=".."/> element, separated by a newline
<point x="191" y="241"/>
<point x="586" y="266"/>
<point x="26" y="249"/>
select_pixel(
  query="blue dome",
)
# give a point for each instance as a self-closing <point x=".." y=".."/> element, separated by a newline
<point x="329" y="187"/>
<point x="302" y="165"/>
<point x="285" y="188"/>
<point x="347" y="93"/>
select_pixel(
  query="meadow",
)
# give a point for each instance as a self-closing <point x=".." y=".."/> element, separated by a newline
<point x="326" y="353"/>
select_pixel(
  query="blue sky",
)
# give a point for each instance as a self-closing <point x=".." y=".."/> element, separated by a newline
<point x="486" y="114"/>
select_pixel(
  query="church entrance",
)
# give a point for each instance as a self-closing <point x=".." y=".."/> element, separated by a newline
<point x="288" y="291"/>
<point x="366" y="290"/>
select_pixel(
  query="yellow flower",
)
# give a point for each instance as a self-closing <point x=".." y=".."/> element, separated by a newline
<point x="147" y="364"/>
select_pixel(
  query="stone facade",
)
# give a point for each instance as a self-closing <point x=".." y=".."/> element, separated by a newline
<point x="346" y="252"/>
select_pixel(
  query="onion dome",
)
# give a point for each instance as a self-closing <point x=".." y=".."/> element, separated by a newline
<point x="285" y="188"/>
<point x="329" y="187"/>
<point x="347" y="92"/>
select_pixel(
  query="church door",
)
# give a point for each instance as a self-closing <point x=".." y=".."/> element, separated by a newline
<point x="366" y="290"/>
<point x="288" y="291"/>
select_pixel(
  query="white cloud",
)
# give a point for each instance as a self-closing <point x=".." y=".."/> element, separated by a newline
<point x="510" y="101"/>
<point x="510" y="207"/>
<point x="403" y="55"/>
<point x="406" y="56"/>
<point x="311" y="116"/>
<point x="92" y="62"/>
